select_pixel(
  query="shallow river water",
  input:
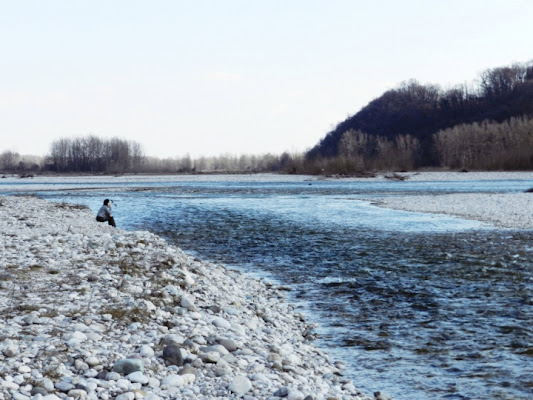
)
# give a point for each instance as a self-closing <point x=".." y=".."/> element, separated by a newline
<point x="420" y="306"/>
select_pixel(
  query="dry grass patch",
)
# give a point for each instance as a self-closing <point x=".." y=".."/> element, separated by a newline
<point x="69" y="206"/>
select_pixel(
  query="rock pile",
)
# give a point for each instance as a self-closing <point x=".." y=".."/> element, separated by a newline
<point x="93" y="312"/>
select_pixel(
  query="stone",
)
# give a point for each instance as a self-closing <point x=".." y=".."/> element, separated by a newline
<point x="211" y="357"/>
<point x="125" y="396"/>
<point x="138" y="377"/>
<point x="295" y="395"/>
<point x="230" y="358"/>
<point x="9" y="385"/>
<point x="113" y="376"/>
<point x="50" y="397"/>
<point x="172" y="290"/>
<point x="63" y="386"/>
<point x="94" y="336"/>
<point x="228" y="344"/>
<point x="20" y="396"/>
<point x="216" y="309"/>
<point x="172" y="355"/>
<point x="188" y="303"/>
<point x="38" y="390"/>
<point x="195" y="315"/>
<point x="199" y="340"/>
<point x="221" y="371"/>
<point x="81" y="365"/>
<point x="282" y="392"/>
<point x="232" y="311"/>
<point x="123" y="384"/>
<point x="173" y="339"/>
<point x="24" y="369"/>
<point x="77" y="394"/>
<point x="220" y="322"/>
<point x="77" y="335"/>
<point x="128" y="365"/>
<point x="10" y="351"/>
<point x="151" y="396"/>
<point x="92" y="361"/>
<point x="188" y="369"/>
<point x="381" y="396"/>
<point x="48" y="384"/>
<point x="240" y="385"/>
<point x="173" y="381"/>
<point x="146" y="351"/>
<point x="91" y="386"/>
<point x="189" y="279"/>
<point x="217" y="348"/>
<point x="153" y="382"/>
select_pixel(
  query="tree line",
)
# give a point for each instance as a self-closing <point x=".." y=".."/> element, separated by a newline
<point x="488" y="126"/>
<point x="487" y="146"/>
<point x="93" y="155"/>
<point x="13" y="162"/>
<point x="88" y="154"/>
<point x="216" y="164"/>
<point x="484" y="146"/>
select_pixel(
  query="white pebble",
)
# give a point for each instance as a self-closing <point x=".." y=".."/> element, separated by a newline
<point x="173" y="381"/>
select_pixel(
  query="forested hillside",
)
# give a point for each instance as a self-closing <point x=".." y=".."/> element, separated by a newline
<point x="404" y="123"/>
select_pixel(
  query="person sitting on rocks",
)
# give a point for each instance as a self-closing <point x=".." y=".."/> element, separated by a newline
<point x="104" y="214"/>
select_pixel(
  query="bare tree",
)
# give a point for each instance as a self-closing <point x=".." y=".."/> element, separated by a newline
<point x="501" y="80"/>
<point x="91" y="154"/>
<point x="9" y="160"/>
<point x="487" y="145"/>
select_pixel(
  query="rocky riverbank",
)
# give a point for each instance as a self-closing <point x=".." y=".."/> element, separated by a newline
<point x="503" y="210"/>
<point x="92" y="312"/>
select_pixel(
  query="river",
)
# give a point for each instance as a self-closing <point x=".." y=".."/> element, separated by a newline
<point x="420" y="306"/>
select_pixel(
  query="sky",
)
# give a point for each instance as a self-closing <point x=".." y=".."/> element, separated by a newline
<point x="216" y="77"/>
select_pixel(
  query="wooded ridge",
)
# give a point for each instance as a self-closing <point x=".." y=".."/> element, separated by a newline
<point x="417" y="125"/>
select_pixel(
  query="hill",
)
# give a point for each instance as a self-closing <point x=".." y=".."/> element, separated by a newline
<point x="418" y="112"/>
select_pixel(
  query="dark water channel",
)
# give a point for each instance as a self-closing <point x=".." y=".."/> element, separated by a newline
<point x="420" y="306"/>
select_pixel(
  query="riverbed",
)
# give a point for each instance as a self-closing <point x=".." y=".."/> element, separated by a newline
<point x="418" y="304"/>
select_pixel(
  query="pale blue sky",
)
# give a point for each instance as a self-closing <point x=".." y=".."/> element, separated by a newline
<point x="232" y="76"/>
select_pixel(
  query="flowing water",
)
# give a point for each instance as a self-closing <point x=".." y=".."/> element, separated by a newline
<point x="420" y="306"/>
